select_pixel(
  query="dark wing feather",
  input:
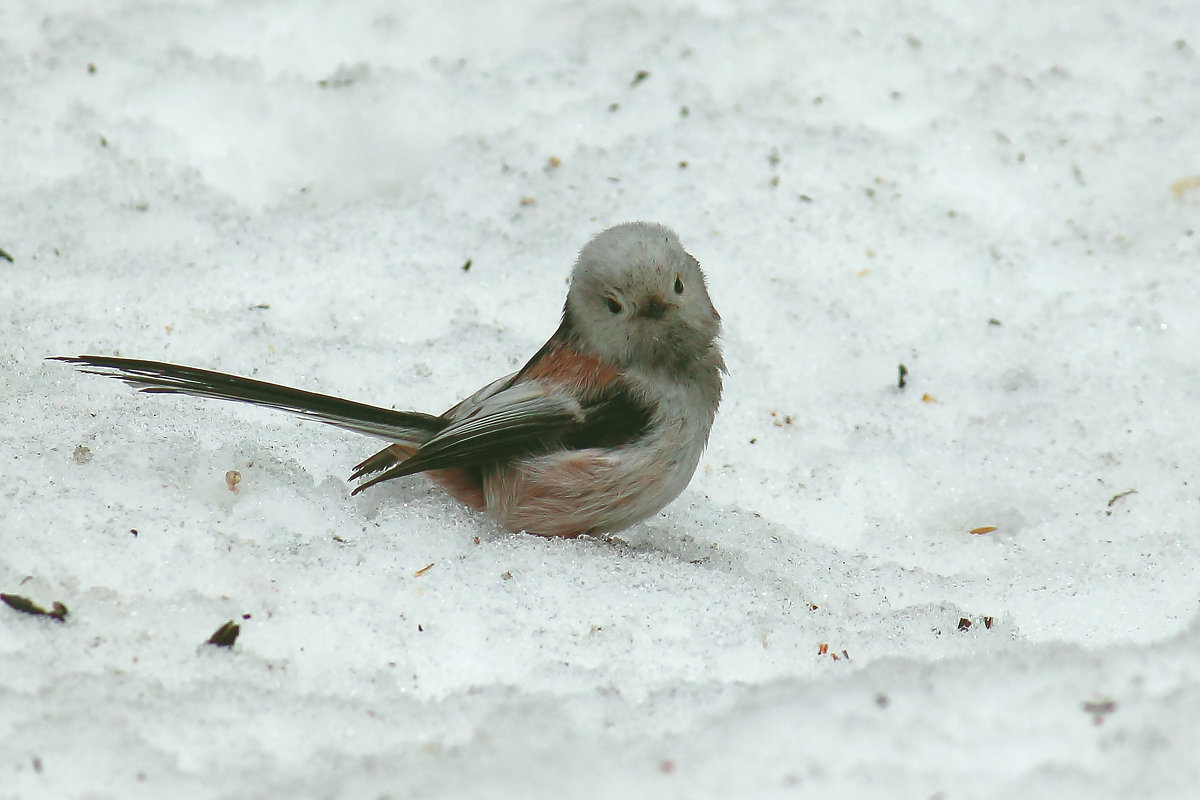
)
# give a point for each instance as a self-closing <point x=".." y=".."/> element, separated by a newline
<point x="615" y="418"/>
<point x="521" y="421"/>
<point x="513" y="422"/>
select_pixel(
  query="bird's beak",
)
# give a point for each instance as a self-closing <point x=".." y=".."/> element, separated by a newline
<point x="654" y="308"/>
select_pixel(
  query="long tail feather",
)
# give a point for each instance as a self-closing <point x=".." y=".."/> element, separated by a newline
<point x="158" y="377"/>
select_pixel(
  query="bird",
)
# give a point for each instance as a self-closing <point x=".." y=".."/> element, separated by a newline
<point x="601" y="429"/>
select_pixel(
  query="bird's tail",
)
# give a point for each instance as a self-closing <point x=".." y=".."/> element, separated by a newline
<point x="409" y="429"/>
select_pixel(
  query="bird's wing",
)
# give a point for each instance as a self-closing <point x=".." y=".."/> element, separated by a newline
<point x="524" y="418"/>
<point x="470" y="405"/>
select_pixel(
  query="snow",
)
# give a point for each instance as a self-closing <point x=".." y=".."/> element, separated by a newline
<point x="994" y="195"/>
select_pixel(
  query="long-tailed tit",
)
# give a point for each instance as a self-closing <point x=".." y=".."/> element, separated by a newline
<point x="599" y="430"/>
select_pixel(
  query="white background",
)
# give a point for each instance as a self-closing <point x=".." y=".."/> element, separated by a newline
<point x="289" y="190"/>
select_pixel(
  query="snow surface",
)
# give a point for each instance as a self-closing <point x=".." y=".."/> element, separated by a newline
<point x="290" y="190"/>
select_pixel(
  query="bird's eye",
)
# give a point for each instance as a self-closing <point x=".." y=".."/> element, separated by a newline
<point x="614" y="305"/>
<point x="678" y="285"/>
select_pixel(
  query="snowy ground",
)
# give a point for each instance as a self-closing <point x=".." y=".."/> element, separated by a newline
<point x="995" y="195"/>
